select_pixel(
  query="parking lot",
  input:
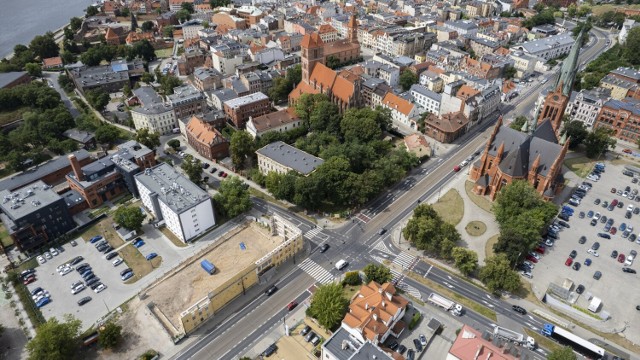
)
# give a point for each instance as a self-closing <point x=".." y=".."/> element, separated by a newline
<point x="117" y="292"/>
<point x="618" y="298"/>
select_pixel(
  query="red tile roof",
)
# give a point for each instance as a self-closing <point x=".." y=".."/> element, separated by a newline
<point x="311" y="41"/>
<point x="322" y="76"/>
<point x="470" y="345"/>
<point x="393" y="101"/>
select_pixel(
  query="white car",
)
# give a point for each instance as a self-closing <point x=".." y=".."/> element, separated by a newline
<point x="526" y="274"/>
<point x="78" y="288"/>
<point x="530" y="264"/>
<point x="66" y="270"/>
<point x="593" y="252"/>
<point x="40" y="293"/>
<point x="53" y="252"/>
<point x="48" y="255"/>
<point x="41" y="260"/>
<point x="593" y="178"/>
<point x="596" y="216"/>
<point x="100" y="288"/>
<point x="630" y="258"/>
<point x="117" y="261"/>
<point x="75" y="284"/>
<point x="535" y="255"/>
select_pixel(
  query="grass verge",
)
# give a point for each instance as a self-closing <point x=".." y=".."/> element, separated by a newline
<point x="174" y="239"/>
<point x="480" y="309"/>
<point x="488" y="247"/>
<point x="140" y="266"/>
<point x="4" y="237"/>
<point x="543" y="341"/>
<point x="33" y="312"/>
<point x="579" y="165"/>
<point x="7" y="117"/>
<point x="476" y="228"/>
<point x="480" y="201"/>
<point x="450" y="207"/>
<point x="105" y="229"/>
<point x="350" y="290"/>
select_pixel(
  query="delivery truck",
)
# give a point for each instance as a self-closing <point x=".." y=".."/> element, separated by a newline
<point x="448" y="305"/>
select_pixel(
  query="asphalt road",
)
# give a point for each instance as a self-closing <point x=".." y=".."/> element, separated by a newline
<point x="354" y="241"/>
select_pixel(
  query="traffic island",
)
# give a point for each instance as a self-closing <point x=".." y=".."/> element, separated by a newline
<point x="476" y="228"/>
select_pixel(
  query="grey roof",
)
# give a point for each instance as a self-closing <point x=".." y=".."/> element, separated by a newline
<point x="224" y="94"/>
<point x="72" y="197"/>
<point x="461" y="24"/>
<point x="426" y="92"/>
<point x="185" y="94"/>
<point x="80" y="136"/>
<point x="203" y="73"/>
<point x="96" y="75"/>
<point x="248" y="99"/>
<point x="548" y="42"/>
<point x="25" y="200"/>
<point x="173" y="189"/>
<point x="153" y="109"/>
<point x="291" y="157"/>
<point x="30" y="175"/>
<point x="369" y="351"/>
<point x="334" y="344"/>
<point x="521" y="150"/>
<point x="147" y="95"/>
<point x="9" y="77"/>
<point x="616" y="81"/>
<point x="628" y="104"/>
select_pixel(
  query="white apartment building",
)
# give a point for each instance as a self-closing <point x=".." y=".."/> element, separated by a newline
<point x="403" y="112"/>
<point x="186" y="209"/>
<point x="226" y="65"/>
<point x="191" y="31"/>
<point x="390" y="74"/>
<point x="549" y="47"/>
<point x="158" y="118"/>
<point x="626" y="27"/>
<point x="426" y="99"/>
<point x="587" y="105"/>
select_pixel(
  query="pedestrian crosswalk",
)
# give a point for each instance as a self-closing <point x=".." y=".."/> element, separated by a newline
<point x="404" y="260"/>
<point x="316" y="271"/>
<point x="397" y="280"/>
<point x="313" y="232"/>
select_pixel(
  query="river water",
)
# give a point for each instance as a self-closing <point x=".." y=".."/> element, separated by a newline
<point x="21" y="20"/>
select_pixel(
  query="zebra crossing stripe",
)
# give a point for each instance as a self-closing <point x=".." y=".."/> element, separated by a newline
<point x="316" y="271"/>
<point x="313" y="232"/>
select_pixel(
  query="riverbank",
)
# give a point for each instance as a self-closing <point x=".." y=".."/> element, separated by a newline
<point x="57" y="37"/>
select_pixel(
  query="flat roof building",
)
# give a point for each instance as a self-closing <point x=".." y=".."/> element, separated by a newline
<point x="34" y="215"/>
<point x="282" y="158"/>
<point x="186" y="209"/>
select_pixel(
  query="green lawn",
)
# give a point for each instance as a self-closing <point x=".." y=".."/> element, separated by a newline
<point x="4" y="237"/>
<point x="601" y="9"/>
<point x="10" y="116"/>
<point x="450" y="207"/>
<point x="579" y="165"/>
<point x="164" y="53"/>
<point x="480" y="201"/>
<point x="488" y="247"/>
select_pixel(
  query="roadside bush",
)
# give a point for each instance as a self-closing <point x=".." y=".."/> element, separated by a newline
<point x="352" y="278"/>
<point x="415" y="319"/>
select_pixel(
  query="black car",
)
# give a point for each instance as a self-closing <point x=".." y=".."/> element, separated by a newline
<point x="583" y="239"/>
<point x="519" y="309"/>
<point x="125" y="271"/>
<point x="610" y="207"/>
<point x="402" y="349"/>
<point x="627" y="215"/>
<point x="83" y="268"/>
<point x="595" y="246"/>
<point x="620" y="205"/>
<point x="382" y="231"/>
<point x="580" y="289"/>
<point x="393" y="345"/>
<point x="305" y="330"/>
<point x="632" y="237"/>
<point x="610" y="221"/>
<point x="324" y="248"/>
<point x="418" y="345"/>
<point x="411" y="354"/>
<point x="76" y="260"/>
<point x="108" y="249"/>
<point x="605" y="204"/>
<point x="603" y="219"/>
<point x="593" y="222"/>
<point x="553" y="235"/>
<point x="270" y="350"/>
<point x="94" y="284"/>
<point x="597" y="202"/>
<point x="564" y="217"/>
<point x="597" y="275"/>
<point x="206" y="165"/>
<point x="102" y="248"/>
<point x="564" y="224"/>
<point x="604" y="236"/>
<point x="581" y="215"/>
<point x="271" y="290"/>
<point x="111" y="255"/>
<point x="213" y="170"/>
<point x="576" y="266"/>
<point x="84" y="300"/>
<point x="628" y="270"/>
<point x="573" y="254"/>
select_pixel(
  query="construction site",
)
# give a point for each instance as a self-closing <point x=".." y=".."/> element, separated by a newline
<point x="190" y="295"/>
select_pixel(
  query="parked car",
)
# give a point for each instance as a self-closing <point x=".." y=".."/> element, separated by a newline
<point x="139" y="244"/>
<point x="604" y="236"/>
<point x="628" y="270"/>
<point x="587" y="262"/>
<point x="580" y="289"/>
<point x="117" y="261"/>
<point x="271" y="290"/>
<point x="84" y="300"/>
<point x="127" y="276"/>
<point x="151" y="256"/>
<point x="576" y="266"/>
<point x="95" y="239"/>
<point x="127" y="270"/>
<point x="597" y="275"/>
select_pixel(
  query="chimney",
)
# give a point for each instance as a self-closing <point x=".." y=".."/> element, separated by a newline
<point x="75" y="165"/>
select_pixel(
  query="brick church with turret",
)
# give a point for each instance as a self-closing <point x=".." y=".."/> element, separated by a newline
<point x="342" y="87"/>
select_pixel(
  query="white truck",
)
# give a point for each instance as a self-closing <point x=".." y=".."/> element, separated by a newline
<point x="516" y="337"/>
<point x="595" y="304"/>
<point x="448" y="305"/>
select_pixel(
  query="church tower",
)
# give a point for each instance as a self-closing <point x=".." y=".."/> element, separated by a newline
<point x="352" y="32"/>
<point x="556" y="100"/>
<point x="312" y="53"/>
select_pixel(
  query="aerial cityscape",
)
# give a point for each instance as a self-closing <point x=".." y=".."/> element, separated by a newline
<point x="331" y="180"/>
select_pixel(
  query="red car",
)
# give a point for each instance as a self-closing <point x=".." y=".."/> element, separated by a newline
<point x="627" y="151"/>
<point x="532" y="259"/>
<point x="568" y="262"/>
<point x="29" y="280"/>
<point x="621" y="258"/>
<point x="225" y="175"/>
<point x="456" y="168"/>
<point x="613" y="230"/>
<point x="540" y="250"/>
<point x="292" y="305"/>
<point x="614" y="202"/>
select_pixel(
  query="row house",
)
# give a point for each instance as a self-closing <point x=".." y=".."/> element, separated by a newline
<point x="207" y="79"/>
<point x="621" y="116"/>
<point x="206" y="139"/>
<point x="403" y="113"/>
<point x="240" y="109"/>
<point x="587" y="105"/>
<point x="187" y="101"/>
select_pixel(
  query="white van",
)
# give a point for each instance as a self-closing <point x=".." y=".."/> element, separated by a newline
<point x="176" y="130"/>
<point x="341" y="264"/>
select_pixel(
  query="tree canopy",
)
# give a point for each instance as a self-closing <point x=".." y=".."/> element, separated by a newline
<point x="427" y="231"/>
<point x="107" y="134"/>
<point x="147" y="138"/>
<point x="497" y="274"/>
<point x="465" y="260"/>
<point x="129" y="217"/>
<point x="378" y="273"/>
<point x="193" y="168"/>
<point x="599" y="141"/>
<point x="44" y="46"/>
<point x="111" y="336"/>
<point x="408" y="78"/>
<point x="241" y="148"/>
<point x="328" y="305"/>
<point x="233" y="197"/>
<point x="55" y="340"/>
<point x="564" y="353"/>
<point x="522" y="215"/>
<point x="576" y="131"/>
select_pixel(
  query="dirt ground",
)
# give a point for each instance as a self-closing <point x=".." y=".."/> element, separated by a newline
<point x="179" y="292"/>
